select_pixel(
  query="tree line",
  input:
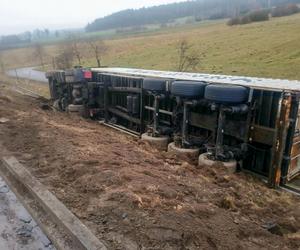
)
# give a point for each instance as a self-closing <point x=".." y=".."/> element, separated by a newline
<point x="29" y="37"/>
<point x="264" y="14"/>
<point x="201" y="9"/>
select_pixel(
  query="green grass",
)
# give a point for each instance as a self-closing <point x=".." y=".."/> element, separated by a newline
<point x="265" y="49"/>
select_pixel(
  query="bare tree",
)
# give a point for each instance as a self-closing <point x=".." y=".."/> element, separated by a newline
<point x="76" y="49"/>
<point x="186" y="58"/>
<point x="98" y="48"/>
<point x="64" y="60"/>
<point x="40" y="53"/>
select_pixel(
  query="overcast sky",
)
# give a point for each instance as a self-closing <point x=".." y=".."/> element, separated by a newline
<point x="21" y="15"/>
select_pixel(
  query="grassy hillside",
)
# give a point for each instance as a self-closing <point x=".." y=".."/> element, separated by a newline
<point x="205" y="9"/>
<point x="266" y="49"/>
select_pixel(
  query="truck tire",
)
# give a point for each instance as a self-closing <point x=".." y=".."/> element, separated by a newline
<point x="229" y="94"/>
<point x="56" y="105"/>
<point x="230" y="166"/>
<point x="190" y="153"/>
<point x="152" y="84"/>
<point x="188" y="89"/>
<point x="160" y="143"/>
<point x="75" y="108"/>
<point x="64" y="104"/>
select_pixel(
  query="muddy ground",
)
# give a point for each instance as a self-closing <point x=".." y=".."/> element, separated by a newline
<point x="133" y="197"/>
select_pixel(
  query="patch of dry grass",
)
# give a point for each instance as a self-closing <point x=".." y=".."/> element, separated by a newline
<point x="36" y="87"/>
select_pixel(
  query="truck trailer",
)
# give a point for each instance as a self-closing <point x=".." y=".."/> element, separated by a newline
<point x="246" y="122"/>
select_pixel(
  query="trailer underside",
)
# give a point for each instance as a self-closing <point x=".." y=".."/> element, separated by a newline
<point x="251" y="121"/>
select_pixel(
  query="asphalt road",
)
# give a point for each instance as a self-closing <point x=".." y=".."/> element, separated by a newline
<point x="28" y="73"/>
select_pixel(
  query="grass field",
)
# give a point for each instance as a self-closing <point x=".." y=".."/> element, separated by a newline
<point x="266" y="49"/>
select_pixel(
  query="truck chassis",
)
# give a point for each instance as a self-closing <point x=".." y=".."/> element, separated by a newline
<point x="250" y="121"/>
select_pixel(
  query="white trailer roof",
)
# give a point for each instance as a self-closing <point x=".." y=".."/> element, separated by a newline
<point x="252" y="82"/>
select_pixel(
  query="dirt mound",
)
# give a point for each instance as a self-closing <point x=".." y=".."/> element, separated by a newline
<point x="133" y="197"/>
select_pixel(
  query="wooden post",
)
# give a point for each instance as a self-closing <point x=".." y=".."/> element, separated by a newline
<point x="282" y="125"/>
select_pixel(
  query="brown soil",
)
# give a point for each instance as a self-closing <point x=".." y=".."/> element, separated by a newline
<point x="133" y="197"/>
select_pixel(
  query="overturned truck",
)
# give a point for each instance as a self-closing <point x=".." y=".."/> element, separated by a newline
<point x="239" y="121"/>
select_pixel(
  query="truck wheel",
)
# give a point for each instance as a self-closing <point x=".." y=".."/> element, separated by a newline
<point x="64" y="104"/>
<point x="189" y="153"/>
<point x="229" y="94"/>
<point x="75" y="108"/>
<point x="160" y="143"/>
<point x="230" y="166"/>
<point x="56" y="105"/>
<point x="152" y="84"/>
<point x="188" y="89"/>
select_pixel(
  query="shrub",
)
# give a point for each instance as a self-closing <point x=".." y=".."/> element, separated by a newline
<point x="234" y="21"/>
<point x="285" y="10"/>
<point x="245" y="19"/>
<point x="259" y="15"/>
<point x="187" y="58"/>
<point x="254" y="16"/>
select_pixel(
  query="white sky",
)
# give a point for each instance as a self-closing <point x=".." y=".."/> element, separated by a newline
<point x="21" y="15"/>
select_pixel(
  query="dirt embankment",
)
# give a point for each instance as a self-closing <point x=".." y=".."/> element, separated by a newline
<point x="135" y="198"/>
